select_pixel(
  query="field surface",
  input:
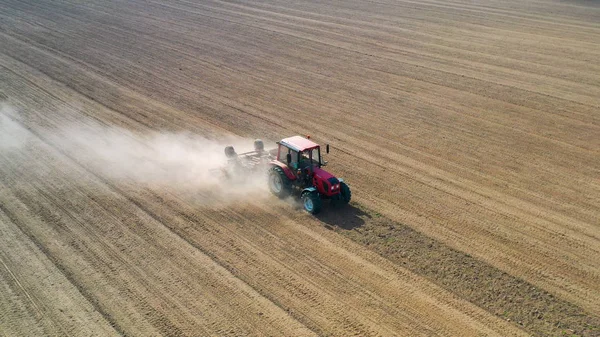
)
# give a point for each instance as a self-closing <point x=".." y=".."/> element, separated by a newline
<point x="469" y="132"/>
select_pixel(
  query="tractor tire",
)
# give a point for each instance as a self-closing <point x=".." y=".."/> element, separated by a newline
<point x="345" y="193"/>
<point x="312" y="202"/>
<point x="279" y="184"/>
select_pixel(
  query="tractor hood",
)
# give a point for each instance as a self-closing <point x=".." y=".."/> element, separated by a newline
<point x="327" y="184"/>
<point x="322" y="174"/>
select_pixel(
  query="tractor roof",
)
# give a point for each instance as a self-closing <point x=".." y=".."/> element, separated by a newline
<point x="298" y="143"/>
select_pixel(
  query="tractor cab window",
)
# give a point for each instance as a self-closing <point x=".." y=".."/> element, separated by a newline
<point x="316" y="156"/>
<point x="294" y="158"/>
<point x="283" y="152"/>
<point x="310" y="157"/>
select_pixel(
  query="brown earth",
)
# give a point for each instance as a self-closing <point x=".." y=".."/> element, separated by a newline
<point x="468" y="131"/>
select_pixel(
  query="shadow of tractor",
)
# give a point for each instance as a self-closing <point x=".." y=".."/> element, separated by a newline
<point x="342" y="216"/>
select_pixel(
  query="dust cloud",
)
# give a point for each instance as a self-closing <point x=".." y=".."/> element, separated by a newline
<point x="13" y="136"/>
<point x="181" y="162"/>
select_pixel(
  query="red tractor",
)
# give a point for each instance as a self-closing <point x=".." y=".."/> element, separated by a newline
<point x="294" y="167"/>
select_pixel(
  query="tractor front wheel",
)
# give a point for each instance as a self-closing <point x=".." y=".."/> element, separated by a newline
<point x="279" y="183"/>
<point x="345" y="192"/>
<point x="312" y="202"/>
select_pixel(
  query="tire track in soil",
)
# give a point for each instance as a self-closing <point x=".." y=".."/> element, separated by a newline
<point x="59" y="307"/>
<point x="535" y="310"/>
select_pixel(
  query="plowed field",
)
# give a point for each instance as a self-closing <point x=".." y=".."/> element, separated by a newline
<point x="469" y="132"/>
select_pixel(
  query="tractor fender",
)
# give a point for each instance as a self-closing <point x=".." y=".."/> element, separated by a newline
<point x="288" y="172"/>
<point x="309" y="190"/>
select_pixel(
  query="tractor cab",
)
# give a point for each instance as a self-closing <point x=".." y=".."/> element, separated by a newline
<point x="300" y="153"/>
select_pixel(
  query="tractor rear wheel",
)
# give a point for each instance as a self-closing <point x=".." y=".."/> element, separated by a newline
<point x="312" y="202"/>
<point x="279" y="183"/>
<point x="345" y="192"/>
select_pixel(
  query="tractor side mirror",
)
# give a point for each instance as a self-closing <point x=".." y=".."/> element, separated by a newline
<point x="327" y="148"/>
<point x="288" y="158"/>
